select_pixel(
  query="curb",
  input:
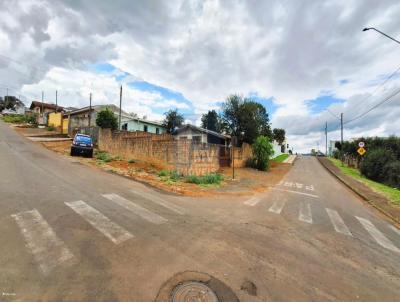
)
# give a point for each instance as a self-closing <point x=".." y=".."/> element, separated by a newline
<point x="369" y="201"/>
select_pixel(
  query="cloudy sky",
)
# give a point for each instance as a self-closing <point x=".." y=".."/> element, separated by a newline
<point x="306" y="61"/>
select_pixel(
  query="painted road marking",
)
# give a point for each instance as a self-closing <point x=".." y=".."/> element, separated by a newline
<point x="396" y="230"/>
<point x="377" y="235"/>
<point x="47" y="249"/>
<point x="252" y="201"/>
<point x="277" y="206"/>
<point x="296" y="192"/>
<point x="111" y="230"/>
<point x="305" y="212"/>
<point x="338" y="222"/>
<point x="138" y="210"/>
<point x="159" y="201"/>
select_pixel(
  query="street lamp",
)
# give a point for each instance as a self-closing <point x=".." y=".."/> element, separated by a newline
<point x="377" y="30"/>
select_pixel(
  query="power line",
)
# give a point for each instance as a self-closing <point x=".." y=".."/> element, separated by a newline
<point x="334" y="115"/>
<point x="374" y="107"/>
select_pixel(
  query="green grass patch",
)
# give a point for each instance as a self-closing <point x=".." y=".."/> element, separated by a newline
<point x="208" y="179"/>
<point x="103" y="156"/>
<point x="391" y="193"/>
<point x="14" y="118"/>
<point x="280" y="158"/>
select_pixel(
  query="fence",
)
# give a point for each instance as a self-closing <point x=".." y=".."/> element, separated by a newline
<point x="162" y="150"/>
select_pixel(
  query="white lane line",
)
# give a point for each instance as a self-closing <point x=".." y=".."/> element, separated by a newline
<point x="296" y="192"/>
<point x="338" y="222"/>
<point x="396" y="230"/>
<point x="138" y="210"/>
<point x="161" y="202"/>
<point x="47" y="249"/>
<point x="377" y="235"/>
<point x="277" y="206"/>
<point x="305" y="212"/>
<point x="252" y="201"/>
<point x="111" y="230"/>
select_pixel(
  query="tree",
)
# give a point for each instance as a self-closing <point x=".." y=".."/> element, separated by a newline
<point x="279" y="135"/>
<point x="107" y="119"/>
<point x="172" y="120"/>
<point x="211" y="121"/>
<point x="10" y="102"/>
<point x="245" y="119"/>
<point x="262" y="151"/>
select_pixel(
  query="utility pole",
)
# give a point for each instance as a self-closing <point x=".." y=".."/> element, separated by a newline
<point x="90" y="109"/>
<point x="120" y="106"/>
<point x="326" y="138"/>
<point x="341" y="137"/>
<point x="56" y="100"/>
<point x="42" y="107"/>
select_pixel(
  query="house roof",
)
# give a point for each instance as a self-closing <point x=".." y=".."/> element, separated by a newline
<point x="199" y="129"/>
<point x="145" y="121"/>
<point x="98" y="108"/>
<point x="45" y="105"/>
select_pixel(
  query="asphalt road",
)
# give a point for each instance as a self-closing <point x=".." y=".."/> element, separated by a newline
<point x="74" y="233"/>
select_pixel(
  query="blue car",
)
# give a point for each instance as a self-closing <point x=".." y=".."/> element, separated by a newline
<point x="82" y="145"/>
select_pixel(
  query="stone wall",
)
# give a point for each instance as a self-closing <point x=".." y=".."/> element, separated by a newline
<point x="161" y="150"/>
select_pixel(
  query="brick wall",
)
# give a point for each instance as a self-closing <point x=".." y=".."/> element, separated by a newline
<point x="242" y="155"/>
<point x="161" y="150"/>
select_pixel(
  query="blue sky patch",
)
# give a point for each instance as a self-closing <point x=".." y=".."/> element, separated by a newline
<point x="343" y="82"/>
<point x="322" y="102"/>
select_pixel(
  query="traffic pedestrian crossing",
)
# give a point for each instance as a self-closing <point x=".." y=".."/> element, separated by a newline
<point x="305" y="215"/>
<point x="49" y="251"/>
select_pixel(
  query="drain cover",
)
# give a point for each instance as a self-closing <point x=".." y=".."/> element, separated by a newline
<point x="193" y="292"/>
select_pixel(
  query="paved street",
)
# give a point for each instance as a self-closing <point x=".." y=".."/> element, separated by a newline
<point x="75" y="233"/>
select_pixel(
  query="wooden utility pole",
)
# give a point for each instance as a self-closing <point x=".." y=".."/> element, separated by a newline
<point x="326" y="138"/>
<point x="90" y="109"/>
<point x="120" y="108"/>
<point x="56" y="100"/>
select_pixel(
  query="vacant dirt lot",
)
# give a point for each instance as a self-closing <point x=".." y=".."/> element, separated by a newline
<point x="247" y="181"/>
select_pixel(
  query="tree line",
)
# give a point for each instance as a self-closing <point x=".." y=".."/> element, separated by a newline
<point x="241" y="117"/>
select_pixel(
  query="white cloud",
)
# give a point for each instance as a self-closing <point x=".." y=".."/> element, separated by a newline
<point x="209" y="49"/>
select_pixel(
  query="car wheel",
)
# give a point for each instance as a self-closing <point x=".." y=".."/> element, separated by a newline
<point x="90" y="154"/>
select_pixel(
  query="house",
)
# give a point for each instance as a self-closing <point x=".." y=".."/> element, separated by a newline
<point x="130" y="123"/>
<point x="43" y="109"/>
<point x="201" y="135"/>
<point x="86" y="116"/>
<point x="19" y="108"/>
<point x="331" y="147"/>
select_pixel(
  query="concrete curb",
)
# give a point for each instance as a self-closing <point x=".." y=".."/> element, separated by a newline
<point x="363" y="196"/>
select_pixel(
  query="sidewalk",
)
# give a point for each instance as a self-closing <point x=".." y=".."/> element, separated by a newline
<point x="290" y="159"/>
<point x="375" y="199"/>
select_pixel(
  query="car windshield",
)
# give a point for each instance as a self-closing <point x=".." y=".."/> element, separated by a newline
<point x="83" y="139"/>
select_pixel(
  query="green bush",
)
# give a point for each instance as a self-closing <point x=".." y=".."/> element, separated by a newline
<point x="106" y="119"/>
<point x="103" y="156"/>
<point x="392" y="173"/>
<point x="374" y="163"/>
<point x="175" y="175"/>
<point x="132" y="161"/>
<point x="14" y="118"/>
<point x="163" y="173"/>
<point x="212" y="178"/>
<point x="262" y="151"/>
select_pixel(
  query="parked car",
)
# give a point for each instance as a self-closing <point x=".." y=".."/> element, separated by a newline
<point x="82" y="145"/>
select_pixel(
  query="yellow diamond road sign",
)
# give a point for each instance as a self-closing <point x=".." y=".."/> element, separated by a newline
<point x="361" y="151"/>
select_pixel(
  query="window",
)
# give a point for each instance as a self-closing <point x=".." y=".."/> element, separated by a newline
<point x="124" y="126"/>
<point x="157" y="131"/>
<point x="196" y="139"/>
<point x="145" y="128"/>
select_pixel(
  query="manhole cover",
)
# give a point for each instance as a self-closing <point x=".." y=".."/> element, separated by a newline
<point x="193" y="292"/>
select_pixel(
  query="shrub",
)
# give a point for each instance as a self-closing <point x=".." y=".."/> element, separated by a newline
<point x="131" y="161"/>
<point x="106" y="119"/>
<point x="212" y="178"/>
<point x="374" y="163"/>
<point x="14" y="118"/>
<point x="163" y="173"/>
<point x="392" y="173"/>
<point x="336" y="154"/>
<point x="103" y="156"/>
<point x="262" y="151"/>
<point x="175" y="175"/>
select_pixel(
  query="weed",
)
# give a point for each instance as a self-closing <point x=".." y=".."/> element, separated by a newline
<point x="163" y="173"/>
<point x="212" y="178"/>
<point x="103" y="156"/>
<point x="175" y="175"/>
<point x="132" y="161"/>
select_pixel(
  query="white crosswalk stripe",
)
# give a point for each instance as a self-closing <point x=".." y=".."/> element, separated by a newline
<point x="338" y="222"/>
<point x="111" y="230"/>
<point x="161" y="202"/>
<point x="252" y="201"/>
<point x="277" y="206"/>
<point x="47" y="249"/>
<point x="305" y="212"/>
<point x="396" y="230"/>
<point x="138" y="210"/>
<point x="377" y="235"/>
